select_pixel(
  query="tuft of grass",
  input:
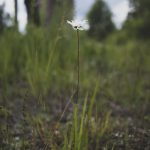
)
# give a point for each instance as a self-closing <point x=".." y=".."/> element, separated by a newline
<point x="85" y="127"/>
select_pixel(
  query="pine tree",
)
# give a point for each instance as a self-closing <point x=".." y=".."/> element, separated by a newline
<point x="100" y="21"/>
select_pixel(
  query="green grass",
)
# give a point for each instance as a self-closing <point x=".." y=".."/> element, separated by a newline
<point x="38" y="76"/>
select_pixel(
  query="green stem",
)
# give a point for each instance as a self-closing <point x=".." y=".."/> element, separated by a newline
<point x="78" y="66"/>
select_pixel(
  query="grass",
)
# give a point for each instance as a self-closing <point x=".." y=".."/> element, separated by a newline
<point x="38" y="79"/>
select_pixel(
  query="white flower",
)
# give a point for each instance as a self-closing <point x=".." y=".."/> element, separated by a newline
<point x="79" y="24"/>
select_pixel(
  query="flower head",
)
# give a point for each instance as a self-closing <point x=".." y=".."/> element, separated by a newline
<point x="79" y="24"/>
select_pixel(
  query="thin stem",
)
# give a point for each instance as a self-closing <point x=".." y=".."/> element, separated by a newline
<point x="78" y="66"/>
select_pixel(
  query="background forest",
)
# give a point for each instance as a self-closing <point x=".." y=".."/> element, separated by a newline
<point x="38" y="79"/>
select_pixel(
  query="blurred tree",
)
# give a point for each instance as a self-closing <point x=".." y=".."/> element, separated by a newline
<point x="4" y="19"/>
<point x="138" y="21"/>
<point x="28" y="9"/>
<point x="68" y="7"/>
<point x="2" y="24"/>
<point x="16" y="12"/>
<point x="100" y="21"/>
<point x="59" y="8"/>
<point x="49" y="10"/>
<point x="140" y="7"/>
<point x="33" y="11"/>
<point x="36" y="14"/>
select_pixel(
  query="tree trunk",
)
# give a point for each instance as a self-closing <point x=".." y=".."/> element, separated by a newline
<point x="33" y="11"/>
<point x="37" y="12"/>
<point x="28" y="5"/>
<point x="49" y="11"/>
<point x="16" y="12"/>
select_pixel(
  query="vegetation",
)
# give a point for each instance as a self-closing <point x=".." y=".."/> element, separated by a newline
<point x="138" y="19"/>
<point x="38" y="75"/>
<point x="100" y="21"/>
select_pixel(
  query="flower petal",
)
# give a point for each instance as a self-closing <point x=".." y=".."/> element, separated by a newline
<point x="79" y="24"/>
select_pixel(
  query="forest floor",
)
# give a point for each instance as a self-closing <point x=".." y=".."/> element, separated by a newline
<point x="26" y="122"/>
